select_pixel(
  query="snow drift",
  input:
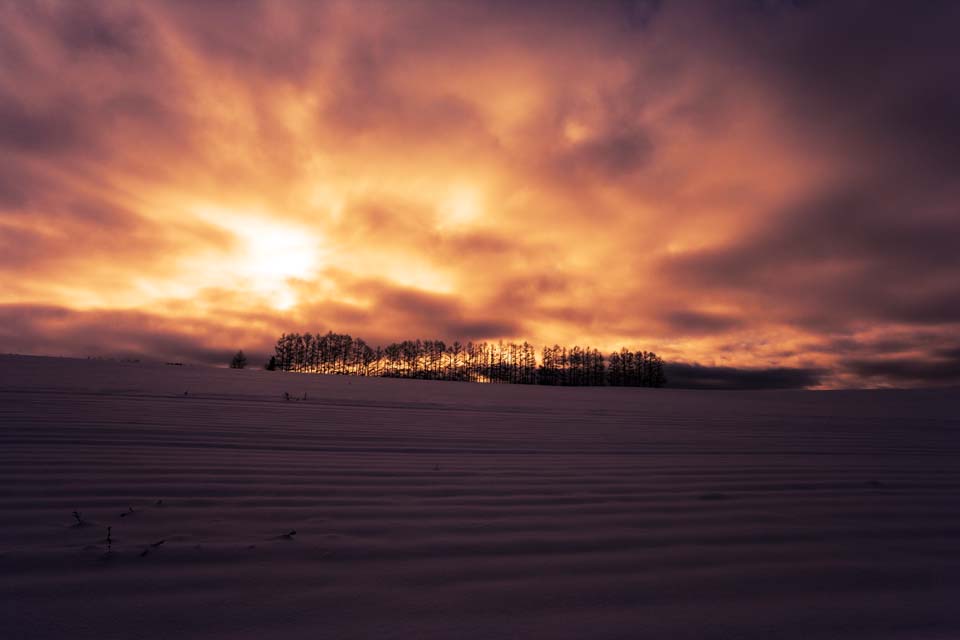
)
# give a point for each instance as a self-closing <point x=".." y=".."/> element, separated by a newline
<point x="364" y="508"/>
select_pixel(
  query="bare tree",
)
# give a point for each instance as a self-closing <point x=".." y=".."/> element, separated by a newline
<point x="239" y="360"/>
<point x="500" y="362"/>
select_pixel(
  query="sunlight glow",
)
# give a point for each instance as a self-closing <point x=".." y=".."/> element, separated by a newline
<point x="274" y="254"/>
<point x="422" y="277"/>
<point x="269" y="253"/>
<point x="461" y="207"/>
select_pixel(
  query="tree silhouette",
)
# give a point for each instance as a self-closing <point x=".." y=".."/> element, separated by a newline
<point x="500" y="362"/>
<point x="239" y="360"/>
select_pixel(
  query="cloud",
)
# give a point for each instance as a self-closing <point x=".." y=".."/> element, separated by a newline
<point x="60" y="331"/>
<point x="942" y="371"/>
<point x="49" y="127"/>
<point x="696" y="376"/>
<point x="767" y="186"/>
<point x="688" y="321"/>
<point x="928" y="358"/>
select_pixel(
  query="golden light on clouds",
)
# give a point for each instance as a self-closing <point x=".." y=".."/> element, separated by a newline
<point x="652" y="175"/>
<point x="461" y="207"/>
<point x="268" y="253"/>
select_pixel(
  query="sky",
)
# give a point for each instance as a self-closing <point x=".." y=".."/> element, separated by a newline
<point x="765" y="192"/>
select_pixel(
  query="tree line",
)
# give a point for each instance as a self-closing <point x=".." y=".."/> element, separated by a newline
<point x="491" y="362"/>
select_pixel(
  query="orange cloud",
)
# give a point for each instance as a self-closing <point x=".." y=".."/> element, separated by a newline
<point x="188" y="178"/>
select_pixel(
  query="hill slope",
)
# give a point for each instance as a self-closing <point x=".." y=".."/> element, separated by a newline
<point x="440" y="510"/>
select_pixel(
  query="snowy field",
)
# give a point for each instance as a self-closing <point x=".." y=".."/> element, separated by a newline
<point x="453" y="510"/>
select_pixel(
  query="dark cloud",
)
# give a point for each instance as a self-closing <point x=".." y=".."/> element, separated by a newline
<point x="695" y="322"/>
<point x="87" y="27"/>
<point x="434" y="315"/>
<point x="401" y="314"/>
<point x="950" y="353"/>
<point x="859" y="256"/>
<point x="611" y="155"/>
<point x="908" y="371"/>
<point x="37" y="329"/>
<point x="696" y="376"/>
<point x="50" y="126"/>
<point x="879" y="74"/>
<point x="381" y="311"/>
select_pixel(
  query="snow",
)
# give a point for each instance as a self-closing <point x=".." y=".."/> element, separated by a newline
<point x="438" y="510"/>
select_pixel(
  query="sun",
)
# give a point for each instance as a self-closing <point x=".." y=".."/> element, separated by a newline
<point x="267" y="255"/>
<point x="272" y="254"/>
